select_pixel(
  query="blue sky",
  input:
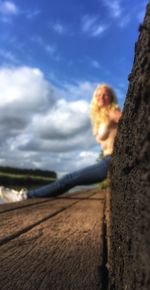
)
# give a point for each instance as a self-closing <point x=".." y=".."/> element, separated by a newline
<point x="52" y="56"/>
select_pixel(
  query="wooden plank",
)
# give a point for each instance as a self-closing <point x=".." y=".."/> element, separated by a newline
<point x="23" y="218"/>
<point x="15" y="222"/>
<point x="99" y="195"/>
<point x="21" y="204"/>
<point x="12" y="206"/>
<point x="62" y="252"/>
<point x="86" y="193"/>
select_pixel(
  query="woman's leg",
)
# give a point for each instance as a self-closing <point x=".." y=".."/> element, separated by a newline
<point x="86" y="176"/>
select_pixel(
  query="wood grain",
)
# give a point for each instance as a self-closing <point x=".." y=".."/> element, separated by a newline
<point x="52" y="244"/>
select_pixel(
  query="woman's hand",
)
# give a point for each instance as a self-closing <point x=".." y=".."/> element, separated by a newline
<point x="115" y="115"/>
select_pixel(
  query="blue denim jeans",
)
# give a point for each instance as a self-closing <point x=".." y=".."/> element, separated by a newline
<point x="89" y="175"/>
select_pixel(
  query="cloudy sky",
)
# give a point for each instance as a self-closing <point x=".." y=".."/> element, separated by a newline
<point x="52" y="56"/>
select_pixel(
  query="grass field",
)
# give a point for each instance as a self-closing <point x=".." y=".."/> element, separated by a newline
<point x="25" y="179"/>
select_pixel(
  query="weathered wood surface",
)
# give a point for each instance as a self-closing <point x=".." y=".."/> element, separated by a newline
<point x="53" y="243"/>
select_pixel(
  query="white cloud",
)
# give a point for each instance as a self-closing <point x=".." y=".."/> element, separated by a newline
<point x="67" y="124"/>
<point x="7" y="11"/>
<point x="114" y="7"/>
<point x="95" y="64"/>
<point x="136" y="14"/>
<point x="23" y="88"/>
<point x="124" y="21"/>
<point x="87" y="158"/>
<point x="8" y="8"/>
<point x="123" y="14"/>
<point x="59" y="28"/>
<point x="78" y="90"/>
<point x="50" y="48"/>
<point x="8" y="56"/>
<point x="39" y="127"/>
<point x="98" y="30"/>
<point x="91" y="26"/>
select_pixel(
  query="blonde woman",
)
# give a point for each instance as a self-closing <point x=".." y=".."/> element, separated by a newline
<point x="105" y="114"/>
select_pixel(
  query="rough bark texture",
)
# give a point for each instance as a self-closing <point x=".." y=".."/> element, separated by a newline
<point x="129" y="262"/>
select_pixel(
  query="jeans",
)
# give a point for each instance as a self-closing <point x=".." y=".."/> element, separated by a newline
<point x="89" y="175"/>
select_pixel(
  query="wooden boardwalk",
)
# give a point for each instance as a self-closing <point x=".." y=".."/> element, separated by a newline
<point x="54" y="243"/>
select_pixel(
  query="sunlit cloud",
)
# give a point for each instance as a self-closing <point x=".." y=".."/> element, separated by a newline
<point x="124" y="21"/>
<point x="91" y="26"/>
<point x="114" y="7"/>
<point x="8" y="8"/>
<point x="95" y="64"/>
<point x="137" y="13"/>
<point x="59" y="28"/>
<point x="87" y="157"/>
<point x="7" y="11"/>
<point x="15" y="83"/>
<point x="8" y="56"/>
<point x="49" y="48"/>
<point x="38" y="122"/>
<point x="77" y="90"/>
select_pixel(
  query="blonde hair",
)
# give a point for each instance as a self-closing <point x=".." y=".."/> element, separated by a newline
<point x="98" y="115"/>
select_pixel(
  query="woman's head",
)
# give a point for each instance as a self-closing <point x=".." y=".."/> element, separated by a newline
<point x="103" y="96"/>
<point x="103" y="100"/>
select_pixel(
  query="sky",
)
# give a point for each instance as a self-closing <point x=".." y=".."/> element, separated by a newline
<point x="53" y="54"/>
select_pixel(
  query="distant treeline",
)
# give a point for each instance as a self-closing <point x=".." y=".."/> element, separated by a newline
<point x="23" y="171"/>
<point x="16" y="177"/>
